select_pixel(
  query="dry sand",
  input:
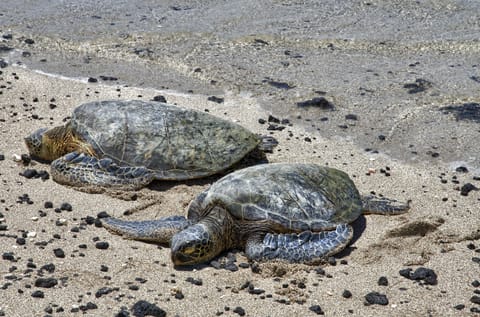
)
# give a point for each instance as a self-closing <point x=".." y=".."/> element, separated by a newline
<point x="441" y="231"/>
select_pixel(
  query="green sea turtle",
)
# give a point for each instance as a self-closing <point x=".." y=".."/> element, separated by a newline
<point x="294" y="212"/>
<point x="128" y="144"/>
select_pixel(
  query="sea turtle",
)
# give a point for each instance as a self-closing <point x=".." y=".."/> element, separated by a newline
<point x="127" y="144"/>
<point x="294" y="212"/>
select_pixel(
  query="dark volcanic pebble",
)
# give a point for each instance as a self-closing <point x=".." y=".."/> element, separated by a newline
<point x="59" y="253"/>
<point x="215" y="99"/>
<point x="48" y="204"/>
<point x="102" y="245"/>
<point x="239" y="310"/>
<point x="279" y="85"/>
<point x="382" y="281"/>
<point x="316" y="309"/>
<point x="347" y="294"/>
<point x="419" y="85"/>
<point x="144" y="308"/>
<point x="92" y="80"/>
<point x="475" y="299"/>
<point x="160" y="98"/>
<point x="103" y="291"/>
<point x="376" y="298"/>
<point x="194" y="281"/>
<point x="468" y="187"/>
<point x="38" y="294"/>
<point x="66" y="206"/>
<point x="319" y="102"/>
<point x="46" y="282"/>
<point x="2" y="157"/>
<point x="428" y="276"/>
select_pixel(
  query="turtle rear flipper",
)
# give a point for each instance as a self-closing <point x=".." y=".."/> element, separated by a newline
<point x="305" y="247"/>
<point x="78" y="169"/>
<point x="159" y="231"/>
<point x="385" y="206"/>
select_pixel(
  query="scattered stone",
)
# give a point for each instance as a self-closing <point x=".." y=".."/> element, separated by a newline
<point x="48" y="282"/>
<point x="48" y="204"/>
<point x="239" y="310"/>
<point x="59" y="253"/>
<point x="38" y="294"/>
<point x="29" y="41"/>
<point x="383" y="281"/>
<point x="194" y="281"/>
<point x="8" y="256"/>
<point x="347" y="294"/>
<point x="92" y="80"/>
<point x="143" y="308"/>
<point x="160" y="98"/>
<point x="316" y="309"/>
<point x="318" y="102"/>
<point x="475" y="299"/>
<point x="102" y="245"/>
<point x="279" y="85"/>
<point x="461" y="169"/>
<point x="66" y="206"/>
<point x="428" y="276"/>
<point x="467" y="188"/>
<point x="215" y="99"/>
<point x="104" y="291"/>
<point x="352" y="117"/>
<point x="459" y="307"/>
<point x="420" y="85"/>
<point x="108" y="78"/>
<point x="376" y="298"/>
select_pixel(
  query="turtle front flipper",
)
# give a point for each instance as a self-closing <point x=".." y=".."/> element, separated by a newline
<point x="78" y="169"/>
<point x="384" y="206"/>
<point x="159" y="231"/>
<point x="306" y="247"/>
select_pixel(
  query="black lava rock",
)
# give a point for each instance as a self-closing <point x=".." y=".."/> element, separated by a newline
<point x="318" y="102"/>
<point x="102" y="245"/>
<point x="382" y="281"/>
<point x="48" y="204"/>
<point x="66" y="206"/>
<point x="419" y="85"/>
<point x="59" y="253"/>
<point x="143" y="308"/>
<point x="46" y="282"/>
<point x="350" y="116"/>
<point x="279" y="85"/>
<point x="103" y="291"/>
<point x="316" y="309"/>
<point x="8" y="256"/>
<point x="160" y="98"/>
<point x="376" y="298"/>
<point x="239" y="310"/>
<point x="92" y="80"/>
<point x="428" y="276"/>
<point x="467" y="188"/>
<point x="194" y="281"/>
<point x="475" y="299"/>
<point x="38" y="294"/>
<point x="215" y="99"/>
<point x="347" y="294"/>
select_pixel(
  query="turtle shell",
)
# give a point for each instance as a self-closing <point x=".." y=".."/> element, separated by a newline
<point x="289" y="197"/>
<point x="173" y="142"/>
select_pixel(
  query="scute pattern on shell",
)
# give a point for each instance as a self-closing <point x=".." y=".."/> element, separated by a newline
<point x="174" y="142"/>
<point x="295" y="197"/>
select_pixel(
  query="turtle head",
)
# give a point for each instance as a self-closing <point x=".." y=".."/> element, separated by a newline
<point x="48" y="145"/>
<point x="193" y="245"/>
<point x="39" y="145"/>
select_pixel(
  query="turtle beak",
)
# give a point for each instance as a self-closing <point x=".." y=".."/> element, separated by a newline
<point x="179" y="258"/>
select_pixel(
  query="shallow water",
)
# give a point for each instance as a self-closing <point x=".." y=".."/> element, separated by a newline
<point x="388" y="68"/>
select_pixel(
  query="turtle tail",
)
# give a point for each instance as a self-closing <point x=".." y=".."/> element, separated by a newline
<point x="385" y="206"/>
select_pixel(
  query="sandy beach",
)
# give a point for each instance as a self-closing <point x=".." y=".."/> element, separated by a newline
<point x="391" y="130"/>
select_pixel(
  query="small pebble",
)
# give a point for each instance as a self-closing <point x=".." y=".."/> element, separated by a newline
<point x="316" y="309"/>
<point x="48" y="282"/>
<point x="347" y="294"/>
<point x="382" y="281"/>
<point x="102" y="245"/>
<point x="59" y="253"/>
<point x="143" y="308"/>
<point x="239" y="310"/>
<point x="38" y="294"/>
<point x="376" y="298"/>
<point x="66" y="206"/>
